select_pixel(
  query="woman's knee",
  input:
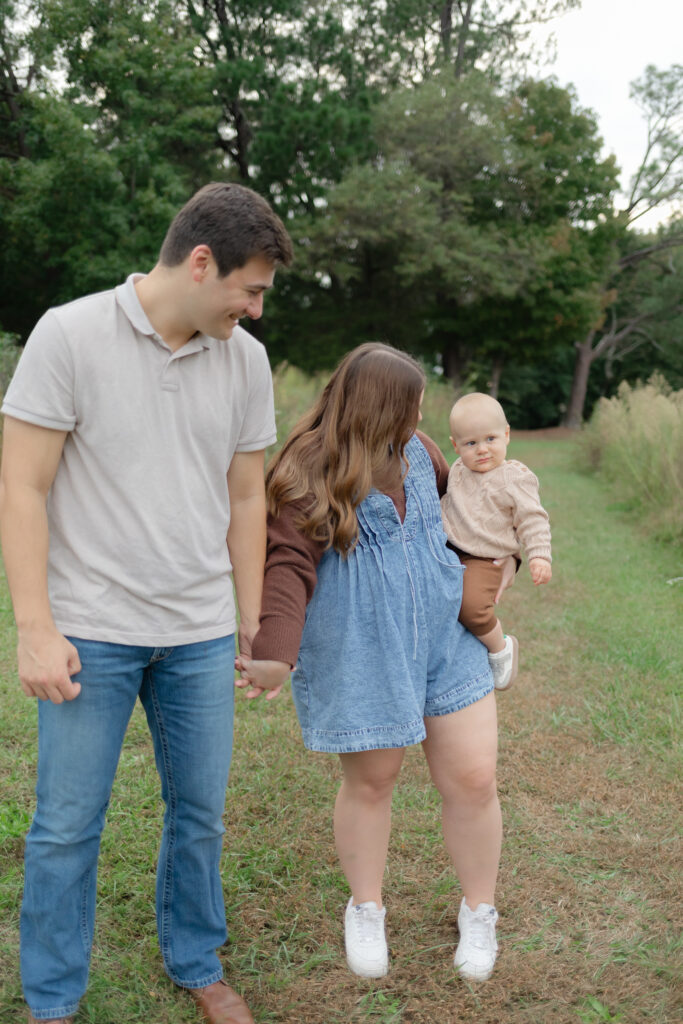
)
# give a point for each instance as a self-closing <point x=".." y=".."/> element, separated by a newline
<point x="373" y="783"/>
<point x="476" y="784"/>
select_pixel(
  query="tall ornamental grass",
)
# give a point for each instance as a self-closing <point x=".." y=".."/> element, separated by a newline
<point x="635" y="441"/>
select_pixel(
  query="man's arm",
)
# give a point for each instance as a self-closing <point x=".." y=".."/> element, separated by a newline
<point x="247" y="539"/>
<point x="46" y="659"/>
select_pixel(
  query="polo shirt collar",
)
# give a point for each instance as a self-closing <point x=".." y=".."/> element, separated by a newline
<point x="128" y="300"/>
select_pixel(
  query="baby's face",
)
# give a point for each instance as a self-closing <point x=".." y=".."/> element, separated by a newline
<point x="481" y="443"/>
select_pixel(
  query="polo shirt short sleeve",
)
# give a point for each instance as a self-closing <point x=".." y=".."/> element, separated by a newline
<point x="139" y="509"/>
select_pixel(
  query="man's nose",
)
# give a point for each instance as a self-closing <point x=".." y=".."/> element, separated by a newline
<point x="255" y="307"/>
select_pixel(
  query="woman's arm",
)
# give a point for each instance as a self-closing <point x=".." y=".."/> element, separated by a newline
<point x="290" y="577"/>
<point x="441" y="468"/>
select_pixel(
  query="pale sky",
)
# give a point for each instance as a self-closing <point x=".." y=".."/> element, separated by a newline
<point x="601" y="49"/>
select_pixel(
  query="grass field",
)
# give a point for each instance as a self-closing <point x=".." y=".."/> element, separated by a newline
<point x="589" y="892"/>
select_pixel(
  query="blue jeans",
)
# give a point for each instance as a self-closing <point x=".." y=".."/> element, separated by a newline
<point x="188" y="696"/>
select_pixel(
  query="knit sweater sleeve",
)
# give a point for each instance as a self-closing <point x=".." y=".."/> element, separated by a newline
<point x="530" y="519"/>
<point x="290" y="577"/>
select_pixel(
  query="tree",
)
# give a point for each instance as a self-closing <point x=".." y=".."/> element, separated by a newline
<point x="472" y="233"/>
<point x="92" y="170"/>
<point x="658" y="180"/>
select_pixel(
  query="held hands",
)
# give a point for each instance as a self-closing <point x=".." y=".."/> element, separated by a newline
<point x="46" y="662"/>
<point x="541" y="571"/>
<point x="261" y="675"/>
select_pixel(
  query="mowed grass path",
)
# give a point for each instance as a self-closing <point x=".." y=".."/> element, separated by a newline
<point x="589" y="891"/>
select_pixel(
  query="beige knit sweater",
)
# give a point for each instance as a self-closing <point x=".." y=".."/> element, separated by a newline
<point x="494" y="514"/>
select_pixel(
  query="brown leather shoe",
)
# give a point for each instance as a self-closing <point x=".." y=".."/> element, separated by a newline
<point x="220" y="1004"/>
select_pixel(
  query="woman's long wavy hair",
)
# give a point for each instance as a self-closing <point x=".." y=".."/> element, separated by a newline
<point x="354" y="435"/>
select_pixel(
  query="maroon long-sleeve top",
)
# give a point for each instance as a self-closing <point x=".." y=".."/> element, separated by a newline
<point x="292" y="571"/>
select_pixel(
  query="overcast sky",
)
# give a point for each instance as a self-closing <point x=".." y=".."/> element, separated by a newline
<point x="603" y="47"/>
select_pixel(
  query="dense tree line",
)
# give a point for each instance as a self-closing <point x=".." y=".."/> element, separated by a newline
<point x="439" y="199"/>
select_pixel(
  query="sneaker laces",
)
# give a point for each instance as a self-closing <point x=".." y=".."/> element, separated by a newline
<point x="481" y="929"/>
<point x="369" y="923"/>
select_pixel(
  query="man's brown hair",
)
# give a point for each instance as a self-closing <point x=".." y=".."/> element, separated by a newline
<point x="236" y="223"/>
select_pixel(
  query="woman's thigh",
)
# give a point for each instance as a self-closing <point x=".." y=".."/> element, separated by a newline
<point x="461" y="748"/>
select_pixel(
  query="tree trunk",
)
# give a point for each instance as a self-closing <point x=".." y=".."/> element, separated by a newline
<point x="573" y="417"/>
<point x="455" y="362"/>
<point x="496" y="373"/>
<point x="447" y="29"/>
<point x="462" y="39"/>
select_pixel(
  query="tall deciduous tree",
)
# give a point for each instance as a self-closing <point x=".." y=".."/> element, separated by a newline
<point x="476" y="231"/>
<point x="658" y="181"/>
<point x="104" y="135"/>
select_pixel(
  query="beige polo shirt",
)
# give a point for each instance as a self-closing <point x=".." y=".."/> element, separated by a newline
<point x="139" y="509"/>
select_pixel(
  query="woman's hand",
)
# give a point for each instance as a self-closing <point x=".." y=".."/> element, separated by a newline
<point x="507" y="578"/>
<point x="261" y="675"/>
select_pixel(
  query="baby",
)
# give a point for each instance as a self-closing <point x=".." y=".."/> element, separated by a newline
<point x="490" y="510"/>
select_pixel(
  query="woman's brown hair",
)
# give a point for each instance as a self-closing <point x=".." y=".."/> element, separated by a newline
<point x="353" y="436"/>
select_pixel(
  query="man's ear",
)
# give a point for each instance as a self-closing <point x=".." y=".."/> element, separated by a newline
<point x="200" y="260"/>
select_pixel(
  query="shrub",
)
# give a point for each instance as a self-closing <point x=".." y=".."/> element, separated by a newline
<point x="9" y="357"/>
<point x="635" y="441"/>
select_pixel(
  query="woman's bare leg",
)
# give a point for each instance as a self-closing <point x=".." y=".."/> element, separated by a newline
<point x="461" y="750"/>
<point x="362" y="819"/>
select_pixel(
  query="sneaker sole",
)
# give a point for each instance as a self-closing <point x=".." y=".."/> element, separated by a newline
<point x="515" y="665"/>
<point x="363" y="971"/>
<point x="472" y="974"/>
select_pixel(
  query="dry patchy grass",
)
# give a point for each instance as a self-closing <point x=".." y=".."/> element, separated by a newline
<point x="589" y="890"/>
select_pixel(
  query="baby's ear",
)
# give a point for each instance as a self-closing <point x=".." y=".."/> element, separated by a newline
<point x="452" y="440"/>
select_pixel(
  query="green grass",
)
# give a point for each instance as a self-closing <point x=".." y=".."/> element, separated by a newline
<point x="589" y="885"/>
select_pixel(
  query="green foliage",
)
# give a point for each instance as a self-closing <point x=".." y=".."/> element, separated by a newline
<point x="659" y="179"/>
<point x="9" y="357"/>
<point x="635" y="440"/>
<point x="434" y="204"/>
<point x="463" y="238"/>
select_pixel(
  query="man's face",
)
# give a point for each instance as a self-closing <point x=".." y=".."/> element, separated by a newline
<point x="222" y="301"/>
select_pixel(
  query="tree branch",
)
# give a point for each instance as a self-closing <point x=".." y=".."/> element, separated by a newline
<point x="633" y="258"/>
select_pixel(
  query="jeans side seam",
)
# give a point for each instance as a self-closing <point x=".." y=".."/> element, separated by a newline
<point x="172" y="806"/>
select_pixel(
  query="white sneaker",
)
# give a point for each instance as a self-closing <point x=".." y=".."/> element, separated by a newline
<point x="366" y="944"/>
<point x="504" y="664"/>
<point x="478" y="948"/>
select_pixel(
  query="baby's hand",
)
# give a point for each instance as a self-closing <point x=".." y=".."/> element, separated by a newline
<point x="261" y="675"/>
<point x="540" y="569"/>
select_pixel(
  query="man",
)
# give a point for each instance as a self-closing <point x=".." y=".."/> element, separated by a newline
<point x="134" y="443"/>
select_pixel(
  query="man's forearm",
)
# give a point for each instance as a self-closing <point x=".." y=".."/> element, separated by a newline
<point x="24" y="532"/>
<point x="247" y="547"/>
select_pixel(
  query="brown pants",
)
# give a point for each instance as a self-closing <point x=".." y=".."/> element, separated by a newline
<point x="479" y="588"/>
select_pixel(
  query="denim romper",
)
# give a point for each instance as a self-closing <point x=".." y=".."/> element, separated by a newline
<point x="382" y="646"/>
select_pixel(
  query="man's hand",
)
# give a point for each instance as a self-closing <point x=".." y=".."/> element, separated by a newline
<point x="261" y="675"/>
<point x="46" y="662"/>
<point x="541" y="570"/>
<point x="245" y="636"/>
